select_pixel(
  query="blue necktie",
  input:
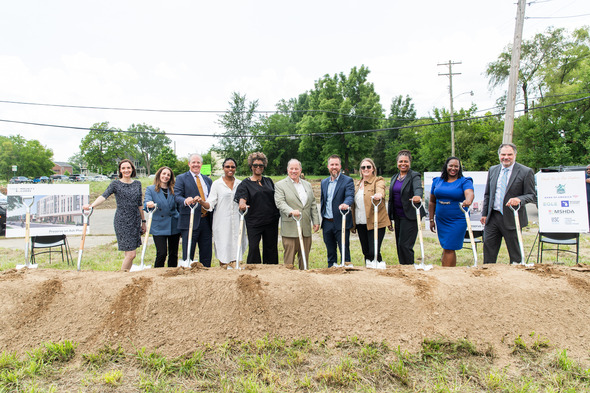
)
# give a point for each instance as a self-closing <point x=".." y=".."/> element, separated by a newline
<point x="503" y="183"/>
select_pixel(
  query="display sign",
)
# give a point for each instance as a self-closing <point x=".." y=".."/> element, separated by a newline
<point x="55" y="209"/>
<point x="479" y="186"/>
<point x="562" y="202"/>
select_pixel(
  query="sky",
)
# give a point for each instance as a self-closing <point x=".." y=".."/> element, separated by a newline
<point x="192" y="55"/>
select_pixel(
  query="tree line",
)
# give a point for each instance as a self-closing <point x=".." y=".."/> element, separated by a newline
<point x="342" y="114"/>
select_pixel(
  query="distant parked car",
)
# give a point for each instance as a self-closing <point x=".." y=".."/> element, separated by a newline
<point x="76" y="177"/>
<point x="20" y="180"/>
<point x="3" y="200"/>
<point x="99" y="178"/>
<point x="59" y="178"/>
<point x="2" y="220"/>
<point x="41" y="179"/>
<point x="114" y="176"/>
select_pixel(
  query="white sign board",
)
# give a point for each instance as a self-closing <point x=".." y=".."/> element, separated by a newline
<point x="479" y="185"/>
<point x="56" y="209"/>
<point x="562" y="202"/>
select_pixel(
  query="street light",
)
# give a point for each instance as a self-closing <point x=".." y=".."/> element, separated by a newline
<point x="453" y="117"/>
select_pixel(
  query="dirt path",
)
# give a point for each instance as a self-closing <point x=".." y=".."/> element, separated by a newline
<point x="173" y="310"/>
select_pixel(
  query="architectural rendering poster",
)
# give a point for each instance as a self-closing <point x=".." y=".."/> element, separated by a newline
<point x="562" y="202"/>
<point x="479" y="186"/>
<point x="55" y="209"/>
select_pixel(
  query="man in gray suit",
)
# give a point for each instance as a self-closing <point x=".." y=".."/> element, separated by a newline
<point x="294" y="197"/>
<point x="508" y="184"/>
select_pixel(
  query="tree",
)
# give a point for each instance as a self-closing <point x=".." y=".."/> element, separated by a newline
<point x="536" y="54"/>
<point x="402" y="113"/>
<point x="239" y="122"/>
<point x="30" y="156"/>
<point x="150" y="142"/>
<point x="558" y="133"/>
<point x="104" y="146"/>
<point x="339" y="104"/>
<point x="279" y="150"/>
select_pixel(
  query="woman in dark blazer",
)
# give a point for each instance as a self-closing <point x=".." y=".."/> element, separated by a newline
<point x="405" y="190"/>
<point x="164" y="227"/>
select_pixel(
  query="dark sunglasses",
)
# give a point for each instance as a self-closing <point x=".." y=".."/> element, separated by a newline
<point x="366" y="167"/>
<point x="257" y="165"/>
<point x="230" y="167"/>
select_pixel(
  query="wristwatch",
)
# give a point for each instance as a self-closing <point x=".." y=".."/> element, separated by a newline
<point x="143" y="221"/>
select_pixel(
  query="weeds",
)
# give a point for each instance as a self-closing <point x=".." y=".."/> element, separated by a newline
<point x="274" y="365"/>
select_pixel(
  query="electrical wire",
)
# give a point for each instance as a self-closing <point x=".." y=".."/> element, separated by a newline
<point x="293" y="135"/>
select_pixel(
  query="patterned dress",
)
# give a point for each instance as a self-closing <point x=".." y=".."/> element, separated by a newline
<point x="127" y="217"/>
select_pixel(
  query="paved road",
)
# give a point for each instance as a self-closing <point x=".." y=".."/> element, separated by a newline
<point x="102" y="231"/>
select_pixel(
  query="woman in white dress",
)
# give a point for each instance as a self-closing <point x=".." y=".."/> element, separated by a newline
<point x="226" y="220"/>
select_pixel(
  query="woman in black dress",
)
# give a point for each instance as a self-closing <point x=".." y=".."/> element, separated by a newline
<point x="129" y="219"/>
<point x="257" y="193"/>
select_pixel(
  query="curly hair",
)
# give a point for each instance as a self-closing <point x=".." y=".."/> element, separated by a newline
<point x="257" y="156"/>
<point x="404" y="153"/>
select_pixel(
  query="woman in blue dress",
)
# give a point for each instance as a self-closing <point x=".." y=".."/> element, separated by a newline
<point x="447" y="192"/>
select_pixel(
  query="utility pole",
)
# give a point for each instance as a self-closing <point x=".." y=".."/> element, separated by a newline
<point x="513" y="78"/>
<point x="450" y="74"/>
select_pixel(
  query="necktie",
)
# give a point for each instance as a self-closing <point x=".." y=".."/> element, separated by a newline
<point x="201" y="193"/>
<point x="503" y="183"/>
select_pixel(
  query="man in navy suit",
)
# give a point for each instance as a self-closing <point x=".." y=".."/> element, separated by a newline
<point x="337" y="194"/>
<point x="186" y="191"/>
<point x="509" y="184"/>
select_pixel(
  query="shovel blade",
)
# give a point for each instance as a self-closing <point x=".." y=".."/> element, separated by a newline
<point x="185" y="263"/>
<point x="31" y="266"/>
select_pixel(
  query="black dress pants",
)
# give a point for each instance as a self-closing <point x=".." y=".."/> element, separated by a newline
<point x="166" y="245"/>
<point x="405" y="237"/>
<point x="270" y="236"/>
<point x="367" y="240"/>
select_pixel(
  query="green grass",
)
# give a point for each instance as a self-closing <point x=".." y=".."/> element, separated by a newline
<point x="274" y="364"/>
<point x="109" y="258"/>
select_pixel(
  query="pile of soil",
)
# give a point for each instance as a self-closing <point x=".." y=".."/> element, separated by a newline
<point x="174" y="311"/>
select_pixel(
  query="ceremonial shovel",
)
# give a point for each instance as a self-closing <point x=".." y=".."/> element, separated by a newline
<point x="27" y="233"/>
<point x="466" y="212"/>
<point x="302" y="248"/>
<point x="421" y="266"/>
<point x="240" y="235"/>
<point x="343" y="249"/>
<point x="187" y="262"/>
<point x="141" y="267"/>
<point x="85" y="215"/>
<point x="375" y="263"/>
<point x="519" y="235"/>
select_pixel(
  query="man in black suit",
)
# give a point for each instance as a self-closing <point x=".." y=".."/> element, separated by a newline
<point x="337" y="194"/>
<point x="508" y="184"/>
<point x="187" y="192"/>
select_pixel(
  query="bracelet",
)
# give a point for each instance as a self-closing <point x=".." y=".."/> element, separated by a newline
<point x="143" y="221"/>
<point x="432" y="220"/>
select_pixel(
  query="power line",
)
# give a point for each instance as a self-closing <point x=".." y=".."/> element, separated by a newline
<point x="321" y="134"/>
<point x="555" y="17"/>
<point x="200" y="111"/>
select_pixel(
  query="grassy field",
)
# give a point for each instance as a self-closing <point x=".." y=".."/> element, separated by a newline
<point x="275" y="365"/>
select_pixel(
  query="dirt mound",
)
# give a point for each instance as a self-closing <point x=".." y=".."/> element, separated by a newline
<point x="175" y="310"/>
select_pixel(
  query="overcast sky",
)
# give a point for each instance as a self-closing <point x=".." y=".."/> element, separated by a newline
<point x="193" y="54"/>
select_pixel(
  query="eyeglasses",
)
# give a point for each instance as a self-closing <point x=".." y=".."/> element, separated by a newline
<point x="230" y="167"/>
<point x="257" y="165"/>
<point x="366" y="167"/>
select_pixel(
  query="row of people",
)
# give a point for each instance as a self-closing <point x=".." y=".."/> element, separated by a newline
<point x="291" y="199"/>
